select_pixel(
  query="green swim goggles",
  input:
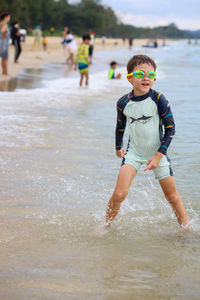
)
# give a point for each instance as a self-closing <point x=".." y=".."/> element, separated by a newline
<point x="140" y="74"/>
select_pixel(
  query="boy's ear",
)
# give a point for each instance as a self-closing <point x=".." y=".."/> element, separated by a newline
<point x="154" y="79"/>
<point x="129" y="78"/>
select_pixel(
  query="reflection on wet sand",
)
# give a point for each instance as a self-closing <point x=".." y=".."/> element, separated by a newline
<point x="4" y="85"/>
<point x="32" y="78"/>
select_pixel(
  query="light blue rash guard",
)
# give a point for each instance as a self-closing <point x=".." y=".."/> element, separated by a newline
<point x="150" y="123"/>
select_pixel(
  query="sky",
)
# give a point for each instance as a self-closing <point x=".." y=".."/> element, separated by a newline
<point x="150" y="13"/>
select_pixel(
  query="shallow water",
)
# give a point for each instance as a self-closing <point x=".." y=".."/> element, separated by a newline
<point x="32" y="78"/>
<point x="58" y="169"/>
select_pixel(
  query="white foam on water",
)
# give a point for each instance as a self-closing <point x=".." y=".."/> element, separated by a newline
<point x="20" y="119"/>
<point x="61" y="90"/>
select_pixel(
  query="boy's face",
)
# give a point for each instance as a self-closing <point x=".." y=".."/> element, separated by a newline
<point x="142" y="85"/>
<point x="114" y="66"/>
<point x="87" y="41"/>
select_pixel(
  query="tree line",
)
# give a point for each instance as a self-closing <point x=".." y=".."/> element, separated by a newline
<point x="81" y="17"/>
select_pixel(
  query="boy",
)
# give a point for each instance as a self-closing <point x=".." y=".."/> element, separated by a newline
<point x="82" y="58"/>
<point x="113" y="66"/>
<point x="145" y="111"/>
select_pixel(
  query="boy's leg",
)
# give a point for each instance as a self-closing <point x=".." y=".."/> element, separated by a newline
<point x="86" y="77"/>
<point x="81" y="79"/>
<point x="125" y="178"/>
<point x="168" y="186"/>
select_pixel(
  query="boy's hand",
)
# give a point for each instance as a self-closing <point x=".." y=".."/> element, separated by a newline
<point x="153" y="161"/>
<point x="120" y="153"/>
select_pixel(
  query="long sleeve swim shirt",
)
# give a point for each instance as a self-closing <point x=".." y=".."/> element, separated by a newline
<point x="111" y="74"/>
<point x="82" y="54"/>
<point x="145" y="117"/>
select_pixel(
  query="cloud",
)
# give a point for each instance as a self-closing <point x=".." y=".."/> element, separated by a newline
<point x="153" y="13"/>
<point x="146" y="20"/>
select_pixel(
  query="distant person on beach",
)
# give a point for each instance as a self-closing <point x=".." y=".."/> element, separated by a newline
<point x="52" y="30"/>
<point x="91" y="46"/>
<point x="44" y="43"/>
<point x="145" y="112"/>
<point x="71" y="45"/>
<point x="16" y="36"/>
<point x="23" y="33"/>
<point x="164" y="41"/>
<point x="124" y="39"/>
<point x="64" y="35"/>
<point x="113" y="66"/>
<point x="155" y="43"/>
<point x="130" y="42"/>
<point x="103" y="40"/>
<point x="82" y="59"/>
<point x="37" y="33"/>
<point x="11" y="32"/>
<point x="4" y="41"/>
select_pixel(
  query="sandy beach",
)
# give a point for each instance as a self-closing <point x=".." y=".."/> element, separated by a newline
<point x="55" y="53"/>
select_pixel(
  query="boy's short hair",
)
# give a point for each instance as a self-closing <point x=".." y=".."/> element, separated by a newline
<point x="86" y="37"/>
<point x="138" y="60"/>
<point x="113" y="63"/>
<point x="4" y="14"/>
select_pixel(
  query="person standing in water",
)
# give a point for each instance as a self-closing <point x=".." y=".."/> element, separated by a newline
<point x="145" y="112"/>
<point x="4" y="41"/>
<point x="71" y="47"/>
<point x="82" y="59"/>
<point x="16" y="40"/>
<point x="37" y="33"/>
<point x="112" y="75"/>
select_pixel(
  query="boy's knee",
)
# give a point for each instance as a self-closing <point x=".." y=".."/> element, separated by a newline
<point x="119" y="195"/>
<point x="173" y="198"/>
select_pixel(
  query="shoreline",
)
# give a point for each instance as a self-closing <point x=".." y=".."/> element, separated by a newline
<point x="55" y="53"/>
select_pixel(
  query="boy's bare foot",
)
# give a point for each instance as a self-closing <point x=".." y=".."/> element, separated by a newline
<point x="188" y="227"/>
<point x="7" y="75"/>
<point x="100" y="231"/>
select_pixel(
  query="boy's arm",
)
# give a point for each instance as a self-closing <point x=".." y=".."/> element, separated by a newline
<point x="166" y="116"/>
<point x="120" y="128"/>
<point x="87" y="54"/>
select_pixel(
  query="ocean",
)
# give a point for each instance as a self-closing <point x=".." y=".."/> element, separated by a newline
<point x="58" y="170"/>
